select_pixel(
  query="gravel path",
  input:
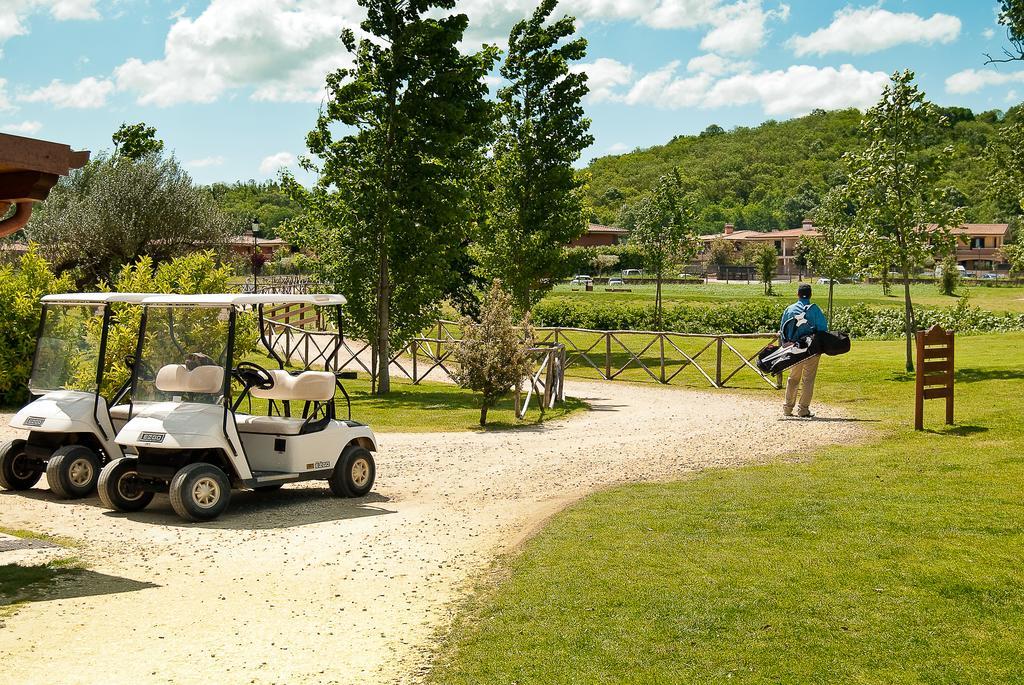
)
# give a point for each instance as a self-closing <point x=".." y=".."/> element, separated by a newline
<point x="299" y="587"/>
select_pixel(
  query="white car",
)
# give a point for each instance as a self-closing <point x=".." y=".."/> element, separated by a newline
<point x="184" y="425"/>
<point x="581" y="279"/>
<point x="615" y="281"/>
<point x="825" y="281"/>
<point x="635" y="273"/>
<point x="70" y="425"/>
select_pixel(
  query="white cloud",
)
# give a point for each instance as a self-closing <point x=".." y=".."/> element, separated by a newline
<point x="277" y="161"/>
<point x="989" y="33"/>
<point x="800" y="88"/>
<point x="17" y="12"/>
<point x="617" y="149"/>
<point x="205" y="162"/>
<point x="795" y="90"/>
<point x="26" y="128"/>
<point x="871" y="29"/>
<point x="739" y="29"/>
<point x="972" y="80"/>
<point x="281" y="50"/>
<point x="89" y="93"/>
<point x="603" y="76"/>
<point x="717" y="66"/>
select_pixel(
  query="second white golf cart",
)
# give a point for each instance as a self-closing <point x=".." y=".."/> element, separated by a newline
<point x="70" y="425"/>
<point x="184" y="425"/>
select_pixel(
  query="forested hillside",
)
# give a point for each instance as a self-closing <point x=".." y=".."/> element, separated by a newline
<point x="774" y="175"/>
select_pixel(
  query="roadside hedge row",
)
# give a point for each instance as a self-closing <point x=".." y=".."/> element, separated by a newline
<point x="860" y="321"/>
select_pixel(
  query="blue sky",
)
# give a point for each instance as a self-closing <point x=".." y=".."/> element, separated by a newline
<point x="233" y="85"/>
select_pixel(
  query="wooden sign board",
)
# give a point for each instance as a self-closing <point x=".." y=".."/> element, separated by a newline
<point x="934" y="372"/>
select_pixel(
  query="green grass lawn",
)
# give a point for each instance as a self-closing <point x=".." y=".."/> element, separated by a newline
<point x="20" y="583"/>
<point x="996" y="299"/>
<point x="423" y="408"/>
<point x="899" y="561"/>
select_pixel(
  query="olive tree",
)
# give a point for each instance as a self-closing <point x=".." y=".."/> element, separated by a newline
<point x="116" y="209"/>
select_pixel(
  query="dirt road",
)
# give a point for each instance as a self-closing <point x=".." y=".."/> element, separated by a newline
<point x="299" y="587"/>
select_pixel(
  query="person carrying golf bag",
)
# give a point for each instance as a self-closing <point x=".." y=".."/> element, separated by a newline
<point x="801" y="319"/>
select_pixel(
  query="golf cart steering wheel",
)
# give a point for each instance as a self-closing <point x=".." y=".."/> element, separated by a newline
<point x="253" y="376"/>
<point x="143" y="371"/>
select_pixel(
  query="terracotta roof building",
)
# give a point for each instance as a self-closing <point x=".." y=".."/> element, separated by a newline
<point x="598" y="235"/>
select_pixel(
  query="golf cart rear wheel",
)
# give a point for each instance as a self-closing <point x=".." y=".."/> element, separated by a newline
<point x="16" y="471"/>
<point x="200" y="492"/>
<point x="119" y="486"/>
<point x="72" y="471"/>
<point x="354" y="474"/>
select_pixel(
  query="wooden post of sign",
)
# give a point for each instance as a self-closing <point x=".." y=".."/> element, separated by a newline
<point x="935" y="372"/>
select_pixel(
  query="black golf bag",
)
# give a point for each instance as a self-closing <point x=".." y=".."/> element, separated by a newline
<point x="775" y="359"/>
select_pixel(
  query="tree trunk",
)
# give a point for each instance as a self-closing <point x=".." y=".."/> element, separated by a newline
<point x="383" y="325"/>
<point x="908" y="318"/>
<point x="483" y="414"/>
<point x="831" y="284"/>
<point x="657" y="303"/>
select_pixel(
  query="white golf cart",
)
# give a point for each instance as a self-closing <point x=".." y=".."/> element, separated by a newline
<point x="187" y="388"/>
<point x="71" y="428"/>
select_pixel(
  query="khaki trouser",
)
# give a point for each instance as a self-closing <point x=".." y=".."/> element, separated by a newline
<point x="801" y="378"/>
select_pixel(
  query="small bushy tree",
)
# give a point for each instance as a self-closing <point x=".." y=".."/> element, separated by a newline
<point x="836" y="252"/>
<point x="720" y="253"/>
<point x="136" y="141"/>
<point x="21" y="286"/>
<point x="1014" y="254"/>
<point x="950" y="279"/>
<point x="492" y="358"/>
<point x="116" y="209"/>
<point x="766" y="260"/>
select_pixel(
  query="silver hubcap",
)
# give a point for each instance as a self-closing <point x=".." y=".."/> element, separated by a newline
<point x="128" y="486"/>
<point x="80" y="472"/>
<point x="206" y="492"/>
<point x="360" y="472"/>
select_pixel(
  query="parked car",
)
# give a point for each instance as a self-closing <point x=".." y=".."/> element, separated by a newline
<point x="825" y="281"/>
<point x="992" y="276"/>
<point x="615" y="281"/>
<point x="581" y="279"/>
<point x="635" y="273"/>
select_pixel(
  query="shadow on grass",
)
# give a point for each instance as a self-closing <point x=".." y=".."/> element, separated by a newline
<point x="959" y="431"/>
<point x="969" y="375"/>
<point x="22" y="584"/>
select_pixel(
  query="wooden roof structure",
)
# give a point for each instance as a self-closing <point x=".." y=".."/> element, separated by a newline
<point x="29" y="168"/>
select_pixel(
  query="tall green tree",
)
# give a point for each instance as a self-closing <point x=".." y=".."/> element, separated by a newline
<point x="536" y="206"/>
<point x="392" y="203"/>
<point x="135" y="141"/>
<point x="1011" y="16"/>
<point x="665" y="232"/>
<point x="901" y="212"/>
<point x="836" y="252"/>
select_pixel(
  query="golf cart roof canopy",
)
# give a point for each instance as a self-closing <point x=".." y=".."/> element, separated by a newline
<point x="94" y="298"/>
<point x="240" y="299"/>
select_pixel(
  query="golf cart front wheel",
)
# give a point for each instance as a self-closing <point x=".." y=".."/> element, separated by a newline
<point x="354" y="474"/>
<point x="119" y="486"/>
<point x="200" y="492"/>
<point x="16" y="471"/>
<point x="72" y="471"/>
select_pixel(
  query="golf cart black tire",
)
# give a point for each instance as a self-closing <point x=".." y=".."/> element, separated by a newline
<point x="9" y="479"/>
<point x="109" y="486"/>
<point x="58" y="471"/>
<point x="341" y="481"/>
<point x="181" y="492"/>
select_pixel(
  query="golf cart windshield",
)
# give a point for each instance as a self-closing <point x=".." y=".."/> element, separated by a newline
<point x="183" y="356"/>
<point x="67" y="352"/>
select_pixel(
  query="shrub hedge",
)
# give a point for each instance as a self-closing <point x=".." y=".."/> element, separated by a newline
<point x="860" y="321"/>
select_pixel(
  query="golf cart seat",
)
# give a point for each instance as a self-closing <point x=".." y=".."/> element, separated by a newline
<point x="208" y="380"/>
<point x="307" y="386"/>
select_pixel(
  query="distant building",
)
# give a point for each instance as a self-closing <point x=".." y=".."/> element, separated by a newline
<point x="978" y="245"/>
<point x="598" y="235"/>
<point x="242" y="245"/>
